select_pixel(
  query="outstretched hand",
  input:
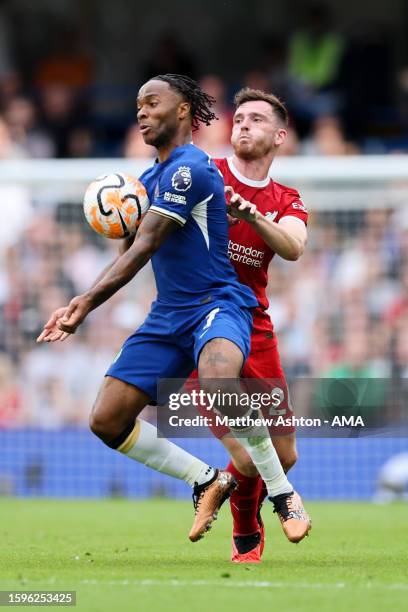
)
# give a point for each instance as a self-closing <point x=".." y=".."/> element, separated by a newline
<point x="65" y="321"/>
<point x="239" y="208"/>
<point x="51" y="331"/>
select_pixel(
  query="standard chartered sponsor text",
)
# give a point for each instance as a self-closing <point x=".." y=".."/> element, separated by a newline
<point x="247" y="255"/>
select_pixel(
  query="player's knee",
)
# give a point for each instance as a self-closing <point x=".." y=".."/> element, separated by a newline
<point x="240" y="458"/>
<point x="289" y="459"/>
<point x="226" y="392"/>
<point x="98" y="425"/>
<point x="104" y="427"/>
<point x="245" y="466"/>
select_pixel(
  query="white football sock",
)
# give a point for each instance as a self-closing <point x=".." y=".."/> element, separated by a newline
<point x="258" y="445"/>
<point x="144" y="445"/>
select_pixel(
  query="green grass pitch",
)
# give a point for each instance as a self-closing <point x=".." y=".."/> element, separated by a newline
<point x="135" y="555"/>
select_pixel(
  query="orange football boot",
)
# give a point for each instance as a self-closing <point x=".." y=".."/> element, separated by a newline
<point x="208" y="499"/>
<point x="295" y="520"/>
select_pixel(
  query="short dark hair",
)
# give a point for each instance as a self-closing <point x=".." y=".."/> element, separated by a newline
<point x="200" y="101"/>
<point x="250" y="95"/>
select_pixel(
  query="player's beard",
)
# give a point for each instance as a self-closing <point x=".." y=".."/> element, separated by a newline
<point x="250" y="151"/>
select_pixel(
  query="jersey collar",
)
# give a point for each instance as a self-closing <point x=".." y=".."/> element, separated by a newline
<point x="244" y="179"/>
<point x="174" y="154"/>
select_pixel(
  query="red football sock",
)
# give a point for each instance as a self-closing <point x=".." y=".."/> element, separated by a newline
<point x="262" y="494"/>
<point x="244" y="502"/>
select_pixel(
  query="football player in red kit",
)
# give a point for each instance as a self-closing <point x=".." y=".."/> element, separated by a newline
<point x="267" y="219"/>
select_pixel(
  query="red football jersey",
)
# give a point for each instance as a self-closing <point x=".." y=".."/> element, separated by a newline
<point x="248" y="252"/>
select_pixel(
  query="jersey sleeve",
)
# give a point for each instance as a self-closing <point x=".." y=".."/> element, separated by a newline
<point x="294" y="207"/>
<point x="180" y="188"/>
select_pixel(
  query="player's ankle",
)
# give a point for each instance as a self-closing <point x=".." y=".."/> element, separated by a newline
<point x="205" y="476"/>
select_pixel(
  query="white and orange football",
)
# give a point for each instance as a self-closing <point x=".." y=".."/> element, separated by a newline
<point x="114" y="205"/>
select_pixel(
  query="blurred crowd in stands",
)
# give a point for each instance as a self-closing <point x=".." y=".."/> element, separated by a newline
<point x="345" y="92"/>
<point x="342" y="310"/>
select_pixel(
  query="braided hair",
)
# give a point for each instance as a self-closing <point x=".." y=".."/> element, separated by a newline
<point x="200" y="101"/>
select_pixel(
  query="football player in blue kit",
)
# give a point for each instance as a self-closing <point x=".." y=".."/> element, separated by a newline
<point x="202" y="315"/>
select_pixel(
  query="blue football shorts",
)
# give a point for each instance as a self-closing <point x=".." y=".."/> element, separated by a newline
<point x="169" y="342"/>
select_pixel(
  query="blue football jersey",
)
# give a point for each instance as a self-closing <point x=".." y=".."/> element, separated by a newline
<point x="192" y="266"/>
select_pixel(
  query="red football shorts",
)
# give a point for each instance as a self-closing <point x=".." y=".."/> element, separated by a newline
<point x="263" y="363"/>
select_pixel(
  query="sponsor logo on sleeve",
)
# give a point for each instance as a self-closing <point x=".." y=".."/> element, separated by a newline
<point x="299" y="206"/>
<point x="176" y="198"/>
<point x="181" y="179"/>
